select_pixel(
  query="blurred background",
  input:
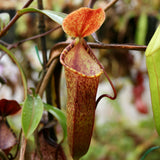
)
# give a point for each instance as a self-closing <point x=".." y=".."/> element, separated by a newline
<point x="124" y="128"/>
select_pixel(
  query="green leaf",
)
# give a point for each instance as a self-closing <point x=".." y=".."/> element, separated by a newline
<point x="141" y="30"/>
<point x="154" y="44"/>
<point x="55" y="16"/>
<point x="31" y="114"/>
<point x="153" y="67"/>
<point x="37" y="52"/>
<point x="57" y="113"/>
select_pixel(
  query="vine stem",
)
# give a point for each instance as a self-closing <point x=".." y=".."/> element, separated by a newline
<point x="109" y="5"/>
<point x="11" y="55"/>
<point x="105" y="73"/>
<point x="11" y="46"/>
<point x="14" y="19"/>
<point x="61" y="45"/>
<point x="23" y="147"/>
<point x="41" y="27"/>
<point x="91" y="3"/>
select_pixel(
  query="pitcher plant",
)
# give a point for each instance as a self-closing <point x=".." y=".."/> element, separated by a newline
<point x="82" y="71"/>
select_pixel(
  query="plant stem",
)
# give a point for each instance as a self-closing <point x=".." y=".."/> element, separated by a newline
<point x="11" y="46"/>
<point x="105" y="73"/>
<point x="42" y="30"/>
<point x="61" y="45"/>
<point x="106" y="46"/>
<point x="117" y="46"/>
<point x="109" y="5"/>
<point x="11" y="55"/>
<point x="23" y="147"/>
<point x="13" y="20"/>
<point x="46" y="78"/>
<point x="91" y="3"/>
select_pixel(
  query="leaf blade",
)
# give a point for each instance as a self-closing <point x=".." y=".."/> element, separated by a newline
<point x="60" y="117"/>
<point x="31" y="114"/>
<point x="55" y="16"/>
<point x="153" y="67"/>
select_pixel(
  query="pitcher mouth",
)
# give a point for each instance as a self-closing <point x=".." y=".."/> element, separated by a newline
<point x="78" y="58"/>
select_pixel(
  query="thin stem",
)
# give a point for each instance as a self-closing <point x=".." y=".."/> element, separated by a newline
<point x="45" y="80"/>
<point x="109" y="5"/>
<point x="18" y="146"/>
<point x="42" y="30"/>
<point x="114" y="90"/>
<point x="54" y="54"/>
<point x="13" y="20"/>
<point x="91" y="3"/>
<point x="117" y="46"/>
<point x="107" y="95"/>
<point x="23" y="147"/>
<point x="11" y="55"/>
<point x="106" y="46"/>
<point x="61" y="45"/>
<point x="4" y="43"/>
<point x="11" y="46"/>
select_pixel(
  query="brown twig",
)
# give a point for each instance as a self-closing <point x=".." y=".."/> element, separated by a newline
<point x="41" y="27"/>
<point x="23" y="147"/>
<point x="46" y="78"/>
<point x="106" y="46"/>
<point x="100" y="46"/>
<point x="117" y="46"/>
<point x="109" y="5"/>
<point x="4" y="43"/>
<point x="13" y="20"/>
<point x="91" y="3"/>
<point x="11" y="46"/>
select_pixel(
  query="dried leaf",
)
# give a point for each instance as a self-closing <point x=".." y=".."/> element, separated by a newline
<point x="8" y="107"/>
<point x="7" y="138"/>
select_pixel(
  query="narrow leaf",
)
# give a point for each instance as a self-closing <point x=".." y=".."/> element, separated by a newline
<point x="37" y="52"/>
<point x="153" y="67"/>
<point x="55" y="16"/>
<point x="141" y="30"/>
<point x="31" y="114"/>
<point x="12" y="56"/>
<point x="60" y="117"/>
